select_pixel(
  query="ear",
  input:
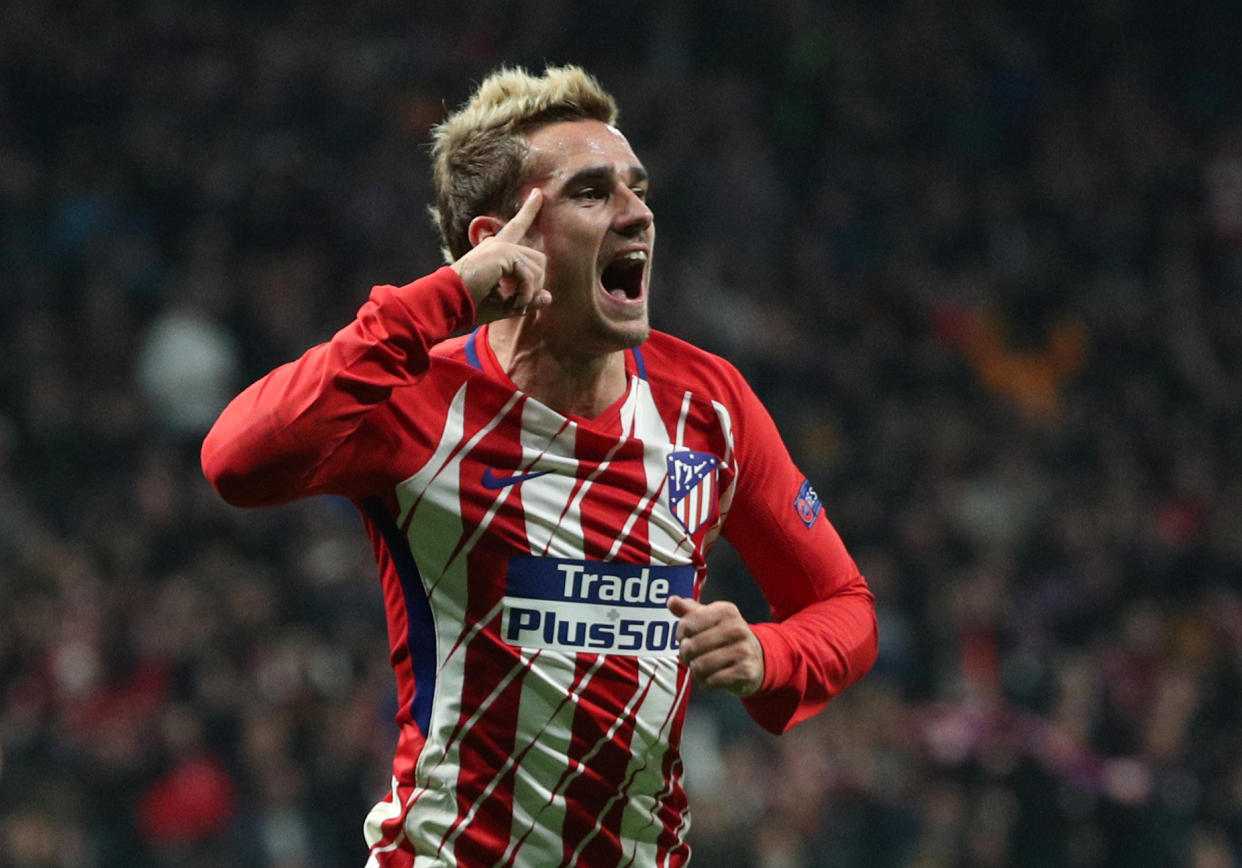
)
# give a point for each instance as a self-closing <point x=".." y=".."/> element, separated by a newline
<point x="482" y="227"/>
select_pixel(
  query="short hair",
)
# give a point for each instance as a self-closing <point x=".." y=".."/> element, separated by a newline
<point x="479" y="152"/>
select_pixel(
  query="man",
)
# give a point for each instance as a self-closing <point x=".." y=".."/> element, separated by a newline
<point x="541" y="494"/>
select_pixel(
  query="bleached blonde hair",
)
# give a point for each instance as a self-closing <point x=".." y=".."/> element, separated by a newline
<point x="479" y="152"/>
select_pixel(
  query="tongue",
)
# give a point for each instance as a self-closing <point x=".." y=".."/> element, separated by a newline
<point x="617" y="294"/>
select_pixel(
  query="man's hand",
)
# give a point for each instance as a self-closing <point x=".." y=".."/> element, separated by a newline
<point x="718" y="645"/>
<point x="504" y="276"/>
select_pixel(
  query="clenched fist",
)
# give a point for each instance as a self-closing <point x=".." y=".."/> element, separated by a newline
<point x="718" y="645"/>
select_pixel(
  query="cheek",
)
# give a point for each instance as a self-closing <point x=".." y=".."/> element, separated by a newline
<point x="572" y="253"/>
<point x="566" y="275"/>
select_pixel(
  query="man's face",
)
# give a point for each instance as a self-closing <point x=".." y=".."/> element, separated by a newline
<point x="597" y="232"/>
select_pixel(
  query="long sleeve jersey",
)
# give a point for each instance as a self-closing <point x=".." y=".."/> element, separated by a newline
<point x="527" y="557"/>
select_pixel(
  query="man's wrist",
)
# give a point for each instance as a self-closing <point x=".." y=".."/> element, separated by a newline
<point x="777" y="667"/>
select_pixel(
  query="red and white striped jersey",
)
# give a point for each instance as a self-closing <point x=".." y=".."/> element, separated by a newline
<point x="527" y="557"/>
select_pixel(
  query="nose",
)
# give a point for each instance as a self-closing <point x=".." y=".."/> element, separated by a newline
<point x="635" y="215"/>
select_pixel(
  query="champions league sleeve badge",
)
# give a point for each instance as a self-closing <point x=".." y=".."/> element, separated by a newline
<point x="692" y="487"/>
<point x="807" y="504"/>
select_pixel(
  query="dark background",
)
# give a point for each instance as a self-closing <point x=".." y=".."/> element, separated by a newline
<point x="982" y="259"/>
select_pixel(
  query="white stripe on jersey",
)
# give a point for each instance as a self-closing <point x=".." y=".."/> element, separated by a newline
<point x="726" y="425"/>
<point x="549" y="440"/>
<point x="668" y="539"/>
<point x="427" y="824"/>
<point x="681" y="419"/>
<point x="538" y="813"/>
<point x="518" y="755"/>
<point x="705" y="497"/>
<point x="410" y="491"/>
<point x="450" y="438"/>
<point x="384" y="810"/>
<point x="630" y="408"/>
<point x="639" y="818"/>
<point x="459" y="556"/>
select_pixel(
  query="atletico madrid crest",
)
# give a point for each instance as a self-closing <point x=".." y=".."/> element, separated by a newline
<point x="692" y="487"/>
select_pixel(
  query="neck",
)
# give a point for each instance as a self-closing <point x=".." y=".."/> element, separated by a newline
<point x="572" y="383"/>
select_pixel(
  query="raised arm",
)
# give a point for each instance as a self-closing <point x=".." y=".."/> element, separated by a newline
<point x="276" y="440"/>
<point x="288" y="434"/>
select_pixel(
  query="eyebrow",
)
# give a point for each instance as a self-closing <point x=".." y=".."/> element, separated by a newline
<point x="603" y="172"/>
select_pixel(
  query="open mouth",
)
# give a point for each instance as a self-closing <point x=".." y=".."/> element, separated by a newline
<point x="623" y="277"/>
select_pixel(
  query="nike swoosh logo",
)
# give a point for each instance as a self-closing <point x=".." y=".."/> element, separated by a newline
<point x="493" y="482"/>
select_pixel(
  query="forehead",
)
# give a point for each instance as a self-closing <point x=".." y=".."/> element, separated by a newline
<point x="560" y="149"/>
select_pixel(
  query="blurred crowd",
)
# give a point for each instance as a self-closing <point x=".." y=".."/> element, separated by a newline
<point x="982" y="259"/>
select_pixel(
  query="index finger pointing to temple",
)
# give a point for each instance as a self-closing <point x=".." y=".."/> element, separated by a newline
<point x="515" y="230"/>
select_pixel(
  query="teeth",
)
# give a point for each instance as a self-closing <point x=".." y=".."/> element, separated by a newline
<point x="634" y="256"/>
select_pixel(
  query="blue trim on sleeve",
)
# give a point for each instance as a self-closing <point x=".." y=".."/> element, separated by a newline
<point x="421" y="635"/>
<point x="472" y="352"/>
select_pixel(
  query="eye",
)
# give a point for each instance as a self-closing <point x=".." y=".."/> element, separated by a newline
<point x="640" y="192"/>
<point x="593" y="193"/>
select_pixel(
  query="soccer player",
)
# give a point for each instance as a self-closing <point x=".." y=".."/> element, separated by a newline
<point x="541" y="494"/>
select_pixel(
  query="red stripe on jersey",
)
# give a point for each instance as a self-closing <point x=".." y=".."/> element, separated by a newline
<point x="484" y="410"/>
<point x="609" y="464"/>
<point x="398" y="624"/>
<point x="602" y="730"/>
<point x="585" y="667"/>
<point x="491" y="696"/>
<point x="476" y="502"/>
<point x="668" y="814"/>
